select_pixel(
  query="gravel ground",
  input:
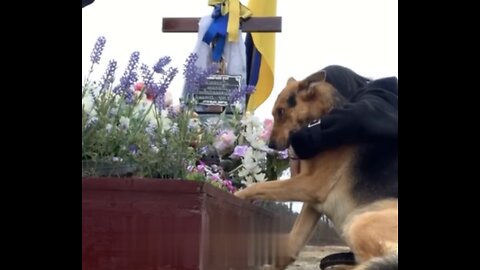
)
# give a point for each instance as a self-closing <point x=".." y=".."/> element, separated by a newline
<point x="310" y="256"/>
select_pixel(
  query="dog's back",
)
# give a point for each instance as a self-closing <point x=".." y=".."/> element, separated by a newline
<point x="375" y="172"/>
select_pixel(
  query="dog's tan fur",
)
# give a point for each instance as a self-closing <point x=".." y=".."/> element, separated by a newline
<point x="324" y="183"/>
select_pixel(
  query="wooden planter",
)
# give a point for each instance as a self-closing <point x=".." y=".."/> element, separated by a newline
<point x="153" y="224"/>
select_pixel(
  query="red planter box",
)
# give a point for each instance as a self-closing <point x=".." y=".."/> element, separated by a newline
<point x="153" y="224"/>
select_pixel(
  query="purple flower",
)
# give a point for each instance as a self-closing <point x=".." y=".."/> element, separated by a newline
<point x="190" y="168"/>
<point x="159" y="91"/>
<point x="128" y="79"/>
<point x="130" y="75"/>
<point x="203" y="150"/>
<point x="239" y="151"/>
<point x="283" y="154"/>
<point x="147" y="75"/>
<point x="109" y="75"/>
<point x="92" y="121"/>
<point x="97" y="50"/>
<point x="174" y="129"/>
<point x="133" y="149"/>
<point x="244" y="91"/>
<point x="172" y="113"/>
<point x="194" y="76"/>
<point x="162" y="62"/>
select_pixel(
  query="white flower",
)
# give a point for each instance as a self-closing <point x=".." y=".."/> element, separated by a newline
<point x="154" y="148"/>
<point x="165" y="121"/>
<point x="124" y="123"/>
<point x="113" y="111"/>
<point x="168" y="99"/>
<point x="251" y="170"/>
<point x="87" y="103"/>
<point x="151" y="128"/>
<point x="194" y="124"/>
<point x="260" y="177"/>
<point x="238" y="106"/>
<point x="117" y="159"/>
<point x="253" y="131"/>
<point x="248" y="181"/>
<point x="108" y="127"/>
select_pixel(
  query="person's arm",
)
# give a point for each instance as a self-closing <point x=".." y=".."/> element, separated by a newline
<point x="372" y="115"/>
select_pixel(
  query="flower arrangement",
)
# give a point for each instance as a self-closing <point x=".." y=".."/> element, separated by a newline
<point x="132" y="127"/>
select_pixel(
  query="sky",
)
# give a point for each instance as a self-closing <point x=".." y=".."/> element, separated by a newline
<point x="361" y="35"/>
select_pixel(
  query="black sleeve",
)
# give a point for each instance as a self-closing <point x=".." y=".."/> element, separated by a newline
<point x="372" y="115"/>
<point x="86" y="2"/>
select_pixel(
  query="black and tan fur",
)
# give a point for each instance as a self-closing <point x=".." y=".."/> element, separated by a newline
<point x="354" y="185"/>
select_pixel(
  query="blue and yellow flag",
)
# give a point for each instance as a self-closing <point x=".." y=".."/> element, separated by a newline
<point x="260" y="55"/>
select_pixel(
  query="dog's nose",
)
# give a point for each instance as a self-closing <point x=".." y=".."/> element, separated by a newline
<point x="272" y="145"/>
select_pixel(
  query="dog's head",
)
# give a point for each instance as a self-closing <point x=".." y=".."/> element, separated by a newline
<point x="300" y="103"/>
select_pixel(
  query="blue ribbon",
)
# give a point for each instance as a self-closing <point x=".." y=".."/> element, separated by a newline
<point x="217" y="31"/>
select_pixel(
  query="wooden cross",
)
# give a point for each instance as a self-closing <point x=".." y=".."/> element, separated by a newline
<point x="251" y="24"/>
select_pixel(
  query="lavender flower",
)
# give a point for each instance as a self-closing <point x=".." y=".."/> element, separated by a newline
<point x="151" y="129"/>
<point x="194" y="76"/>
<point x="239" y="151"/>
<point x="147" y="75"/>
<point x="97" y="50"/>
<point x="109" y="75"/>
<point x="92" y="121"/>
<point x="128" y="79"/>
<point x="172" y="113"/>
<point x="130" y="75"/>
<point x="133" y="149"/>
<point x="244" y="91"/>
<point x="283" y="154"/>
<point x="162" y="62"/>
<point x="203" y="150"/>
<point x="160" y="89"/>
<point x="174" y="129"/>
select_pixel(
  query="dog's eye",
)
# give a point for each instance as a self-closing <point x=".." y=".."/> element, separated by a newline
<point x="280" y="112"/>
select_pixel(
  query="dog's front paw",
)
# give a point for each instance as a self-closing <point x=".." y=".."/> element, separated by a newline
<point x="242" y="194"/>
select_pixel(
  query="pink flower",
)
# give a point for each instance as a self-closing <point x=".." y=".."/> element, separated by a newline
<point x="224" y="142"/>
<point x="201" y="167"/>
<point x="139" y="86"/>
<point x="267" y="129"/>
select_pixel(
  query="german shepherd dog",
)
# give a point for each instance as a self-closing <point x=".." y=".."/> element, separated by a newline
<point x="355" y="186"/>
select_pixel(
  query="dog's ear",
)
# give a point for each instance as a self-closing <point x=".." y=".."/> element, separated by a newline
<point x="319" y="76"/>
<point x="306" y="88"/>
<point x="312" y="79"/>
<point x="291" y="80"/>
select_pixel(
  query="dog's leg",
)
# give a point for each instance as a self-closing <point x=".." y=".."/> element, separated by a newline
<point x="374" y="233"/>
<point x="277" y="190"/>
<point x="298" y="188"/>
<point x="301" y="232"/>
